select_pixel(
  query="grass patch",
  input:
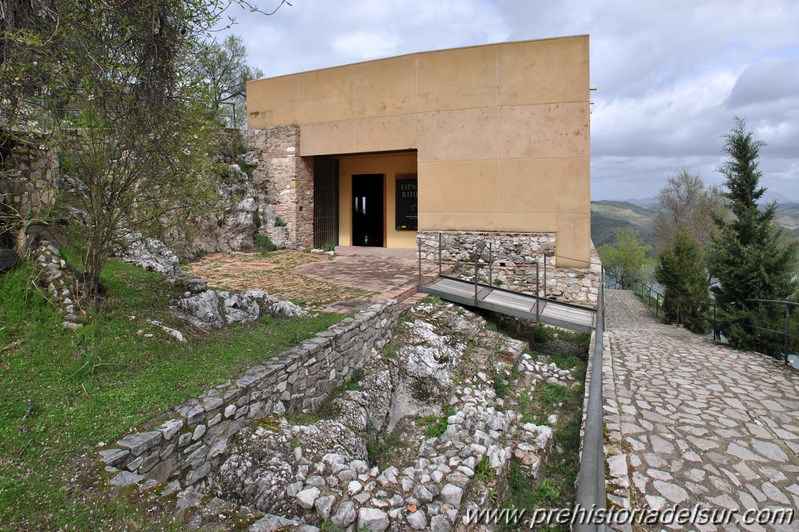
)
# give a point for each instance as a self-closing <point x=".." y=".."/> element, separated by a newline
<point x="264" y="242"/>
<point x="556" y="489"/>
<point x="483" y="471"/>
<point x="63" y="392"/>
<point x="501" y="385"/>
<point x="383" y="452"/>
<point x="435" y="425"/>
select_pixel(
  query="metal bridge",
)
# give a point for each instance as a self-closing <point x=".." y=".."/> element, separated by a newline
<point x="471" y="291"/>
<point x="519" y="305"/>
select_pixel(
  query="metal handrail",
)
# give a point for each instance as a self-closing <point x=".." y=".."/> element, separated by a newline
<point x="480" y="263"/>
<point x="591" y="477"/>
<point x="711" y="311"/>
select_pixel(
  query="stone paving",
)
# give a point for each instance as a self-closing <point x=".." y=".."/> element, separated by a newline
<point x="386" y="273"/>
<point x="355" y="278"/>
<point x="689" y="422"/>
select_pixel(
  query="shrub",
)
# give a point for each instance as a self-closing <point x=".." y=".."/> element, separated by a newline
<point x="263" y="242"/>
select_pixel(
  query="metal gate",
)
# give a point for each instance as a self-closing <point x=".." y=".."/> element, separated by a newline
<point x="325" y="202"/>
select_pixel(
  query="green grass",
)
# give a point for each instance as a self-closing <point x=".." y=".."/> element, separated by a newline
<point x="483" y="472"/>
<point x="98" y="383"/>
<point x="435" y="425"/>
<point x="501" y="385"/>
<point x="382" y="451"/>
<point x="264" y="242"/>
<point x="556" y="489"/>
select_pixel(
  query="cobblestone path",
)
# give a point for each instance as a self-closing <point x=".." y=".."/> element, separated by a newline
<point x="689" y="422"/>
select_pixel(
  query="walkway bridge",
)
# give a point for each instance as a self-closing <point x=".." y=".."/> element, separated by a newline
<point x="471" y="290"/>
<point x="547" y="311"/>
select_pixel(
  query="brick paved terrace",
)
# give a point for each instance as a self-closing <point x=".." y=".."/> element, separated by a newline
<point x="354" y="278"/>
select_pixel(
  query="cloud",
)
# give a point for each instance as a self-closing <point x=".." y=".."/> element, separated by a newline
<point x="769" y="81"/>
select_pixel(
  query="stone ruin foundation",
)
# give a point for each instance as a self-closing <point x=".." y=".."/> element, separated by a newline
<point x="311" y="470"/>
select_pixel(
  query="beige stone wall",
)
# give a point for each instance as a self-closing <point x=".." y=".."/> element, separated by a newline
<point x="502" y="131"/>
<point x="284" y="184"/>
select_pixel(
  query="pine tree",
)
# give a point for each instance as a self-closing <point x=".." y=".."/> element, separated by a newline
<point x="681" y="271"/>
<point x="750" y="258"/>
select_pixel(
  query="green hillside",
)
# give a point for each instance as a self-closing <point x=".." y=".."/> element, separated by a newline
<point x="788" y="216"/>
<point x="607" y="216"/>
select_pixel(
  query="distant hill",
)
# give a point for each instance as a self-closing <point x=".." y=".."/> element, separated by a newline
<point x="788" y="216"/>
<point x="647" y="203"/>
<point x="607" y="216"/>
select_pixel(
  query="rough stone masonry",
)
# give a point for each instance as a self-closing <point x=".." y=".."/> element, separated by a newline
<point x="185" y="443"/>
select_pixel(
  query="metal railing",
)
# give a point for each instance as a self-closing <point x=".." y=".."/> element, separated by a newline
<point x="459" y="269"/>
<point x="650" y="295"/>
<point x="591" y="477"/>
<point x="709" y="312"/>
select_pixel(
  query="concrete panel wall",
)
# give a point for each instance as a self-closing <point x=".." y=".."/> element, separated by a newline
<point x="502" y="131"/>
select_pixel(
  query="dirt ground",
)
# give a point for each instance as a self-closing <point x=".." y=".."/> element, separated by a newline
<point x="275" y="273"/>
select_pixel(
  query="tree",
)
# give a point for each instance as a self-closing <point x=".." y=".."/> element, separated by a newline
<point x="686" y="204"/>
<point x="625" y="260"/>
<point x="115" y="87"/>
<point x="227" y="73"/>
<point x="750" y="257"/>
<point x="681" y="271"/>
<point x="136" y="131"/>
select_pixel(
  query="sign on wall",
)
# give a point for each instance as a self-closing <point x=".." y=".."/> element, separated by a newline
<point x="406" y="200"/>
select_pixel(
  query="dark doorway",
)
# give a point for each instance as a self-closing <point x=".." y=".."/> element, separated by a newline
<point x="325" y="202"/>
<point x="367" y="210"/>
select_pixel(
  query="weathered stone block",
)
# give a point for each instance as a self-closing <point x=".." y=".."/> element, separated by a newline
<point x="139" y="442"/>
<point x="197" y="474"/>
<point x="170" y="428"/>
<point x="114" y="457"/>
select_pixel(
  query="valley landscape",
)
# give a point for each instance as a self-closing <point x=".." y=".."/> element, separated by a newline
<point x="609" y="215"/>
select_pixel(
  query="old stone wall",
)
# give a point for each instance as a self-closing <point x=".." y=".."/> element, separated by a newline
<point x="187" y="442"/>
<point x="513" y="258"/>
<point x="28" y="184"/>
<point x="284" y="184"/>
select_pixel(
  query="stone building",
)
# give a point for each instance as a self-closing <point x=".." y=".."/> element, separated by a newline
<point x="485" y="142"/>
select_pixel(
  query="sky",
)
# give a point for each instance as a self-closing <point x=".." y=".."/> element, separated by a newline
<point x="671" y="75"/>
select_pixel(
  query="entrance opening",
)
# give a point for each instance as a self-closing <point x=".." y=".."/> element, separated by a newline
<point x="325" y="202"/>
<point x="367" y="210"/>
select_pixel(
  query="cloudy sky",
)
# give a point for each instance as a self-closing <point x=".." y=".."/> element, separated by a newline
<point x="671" y="74"/>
